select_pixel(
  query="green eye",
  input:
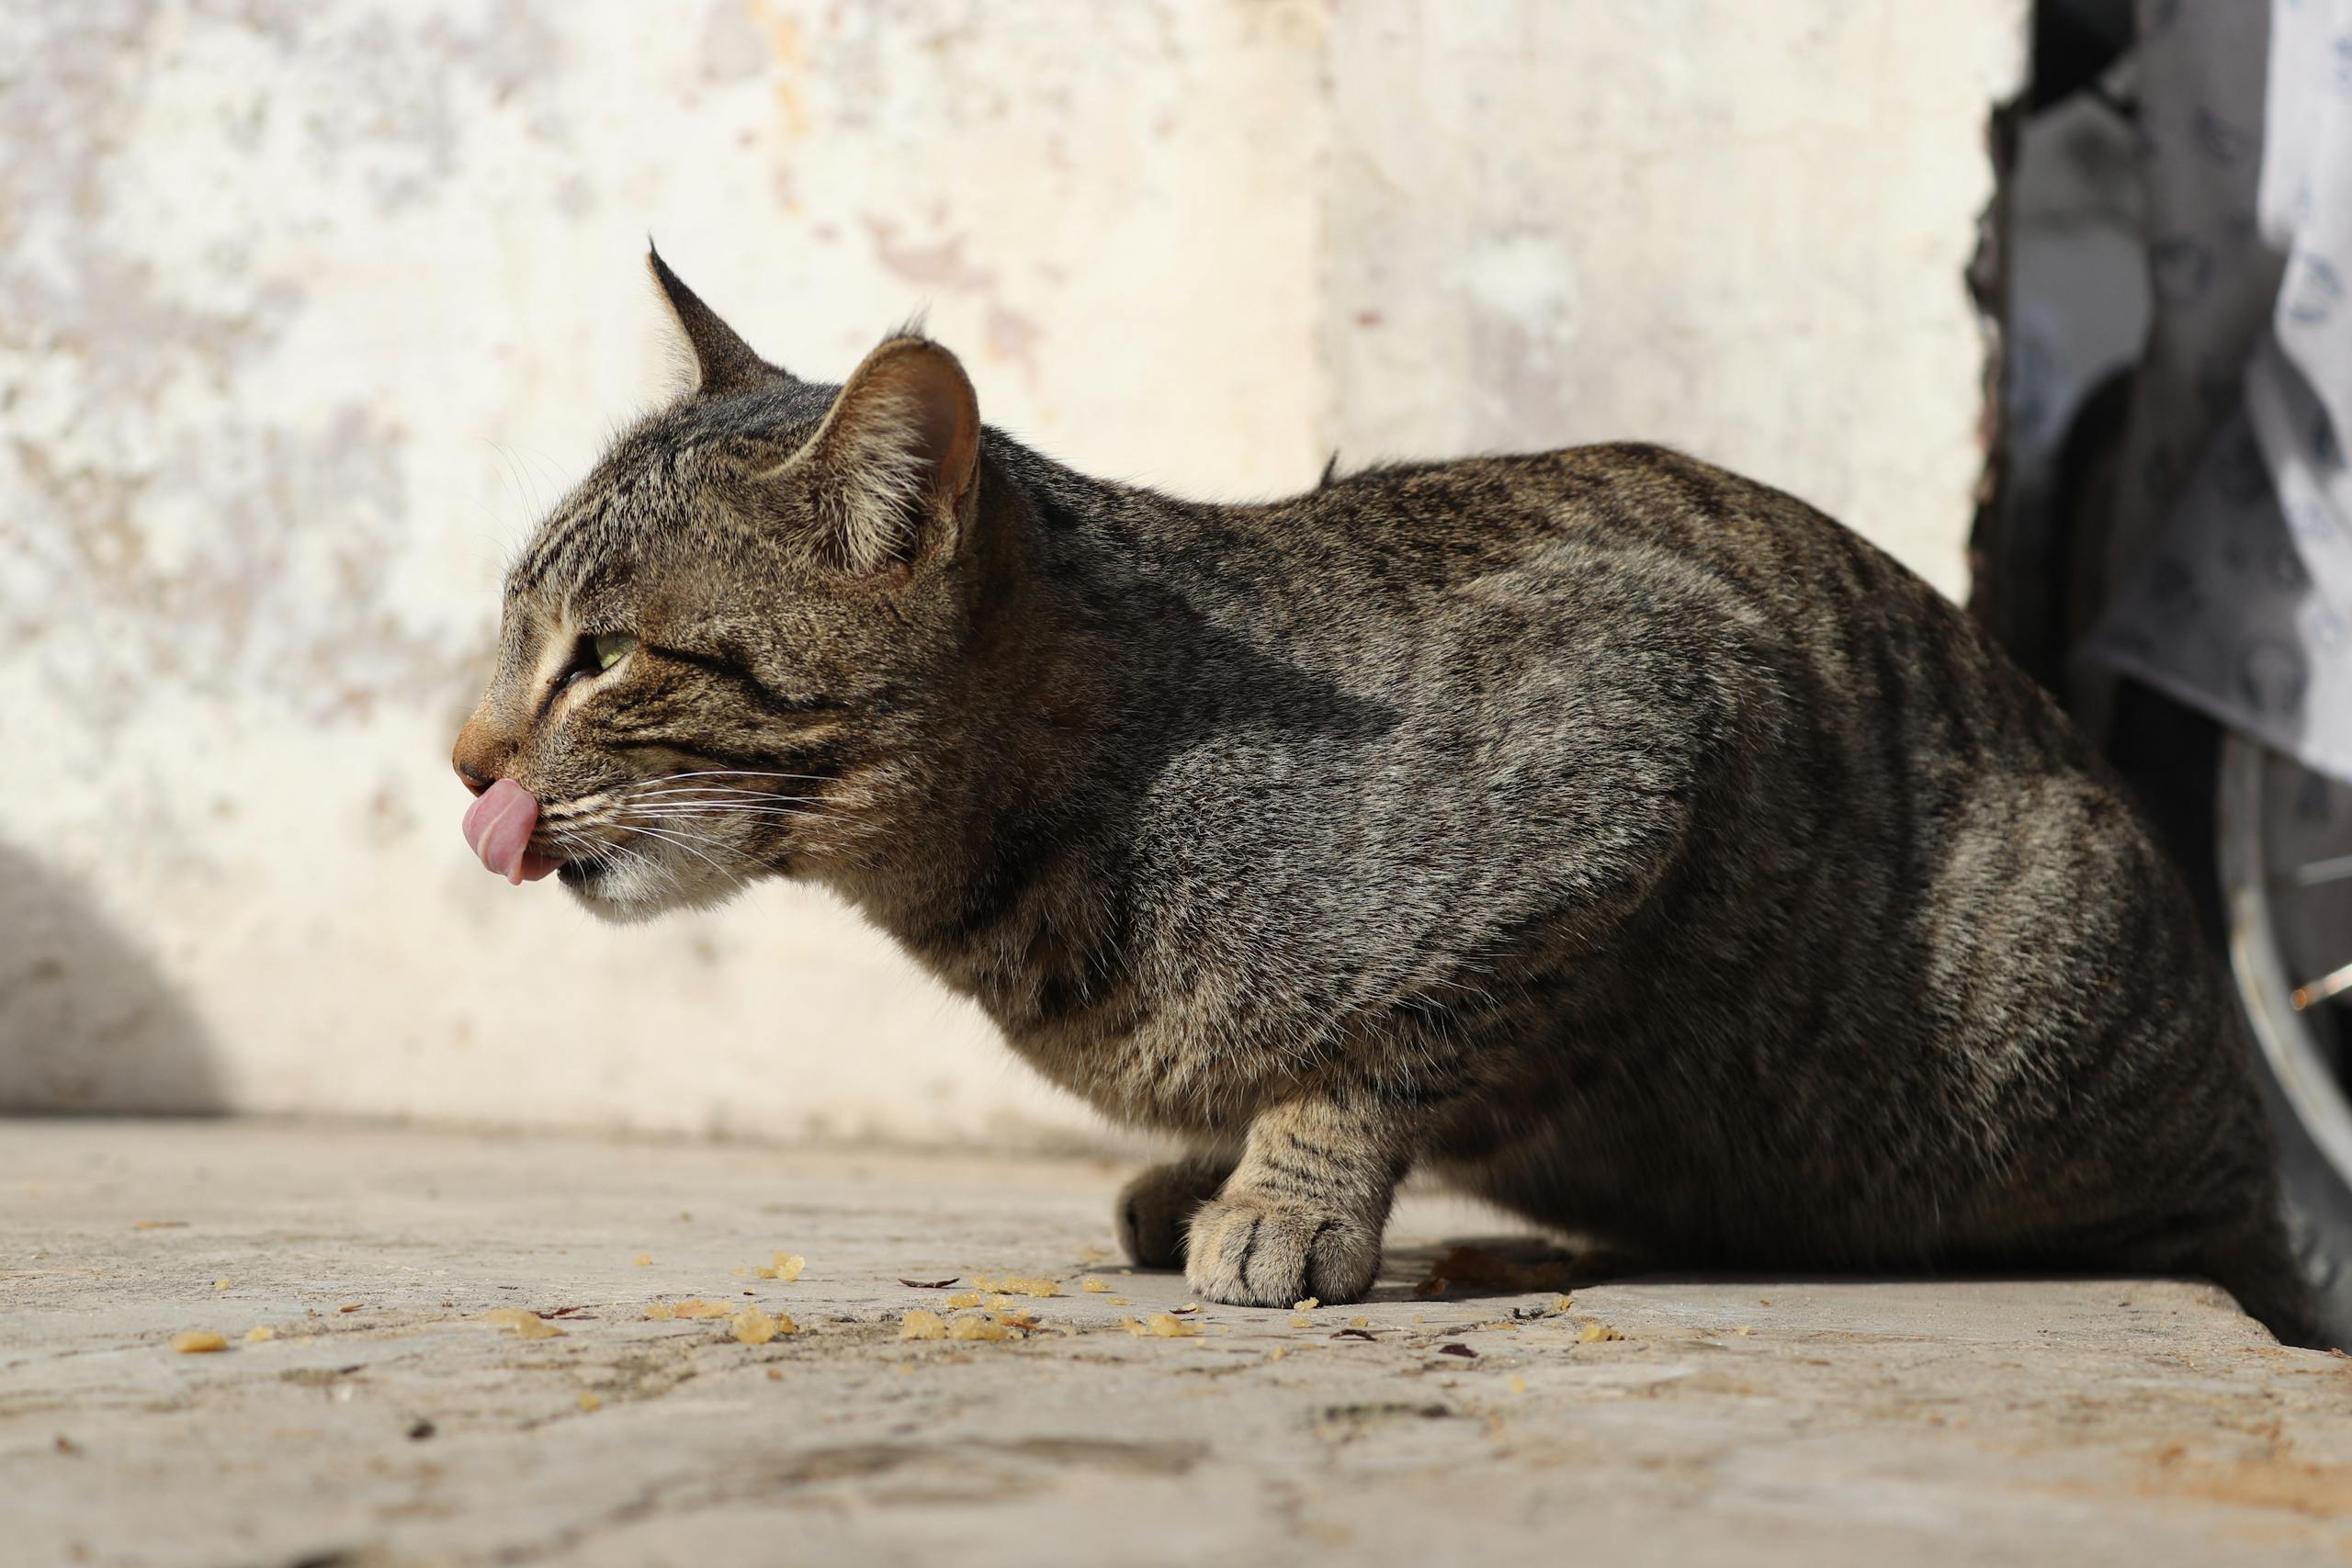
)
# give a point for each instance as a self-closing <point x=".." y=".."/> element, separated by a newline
<point x="604" y="652"/>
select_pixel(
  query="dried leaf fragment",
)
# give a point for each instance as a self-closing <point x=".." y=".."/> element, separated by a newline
<point x="928" y="1284"/>
<point x="1458" y="1349"/>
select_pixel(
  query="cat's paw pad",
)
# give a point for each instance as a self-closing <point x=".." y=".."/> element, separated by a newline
<point x="1250" y="1251"/>
<point x="1155" y="1208"/>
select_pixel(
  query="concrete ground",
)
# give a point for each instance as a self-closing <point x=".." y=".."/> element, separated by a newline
<point x="1755" y="1421"/>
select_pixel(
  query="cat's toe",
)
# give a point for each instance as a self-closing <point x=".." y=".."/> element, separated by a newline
<point x="1250" y="1251"/>
<point x="1154" y="1209"/>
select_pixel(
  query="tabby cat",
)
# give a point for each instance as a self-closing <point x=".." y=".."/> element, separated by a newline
<point x="1619" y="840"/>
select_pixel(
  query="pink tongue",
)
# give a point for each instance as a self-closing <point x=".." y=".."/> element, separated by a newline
<point x="498" y="827"/>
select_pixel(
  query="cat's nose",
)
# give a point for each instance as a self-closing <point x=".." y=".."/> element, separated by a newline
<point x="476" y="755"/>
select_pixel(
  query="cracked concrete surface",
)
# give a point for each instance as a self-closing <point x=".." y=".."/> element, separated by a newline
<point x="1766" y="1421"/>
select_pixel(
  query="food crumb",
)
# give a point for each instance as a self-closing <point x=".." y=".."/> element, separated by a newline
<point x="786" y="1267"/>
<point x="1091" y="1285"/>
<point x="349" y="1306"/>
<point x="219" y="1284"/>
<point x="977" y="1326"/>
<point x="1743" y="1330"/>
<point x="1278" y="1352"/>
<point x="1168" y="1325"/>
<point x="1300" y="1320"/>
<point x="259" y="1332"/>
<point x="590" y="1400"/>
<point x="198" y="1342"/>
<point x="1120" y="1302"/>
<point x="1359" y="1323"/>
<point x="1018" y="1285"/>
<point x="1310" y="1304"/>
<point x="692" y="1307"/>
<point x="525" y="1325"/>
<point x="1134" y="1327"/>
<point x="1562" y="1303"/>
<point x="962" y="1299"/>
<point x="1518" y="1384"/>
<point x="775" y="1374"/>
<point x="999" y="1304"/>
<point x="754" y="1327"/>
<point x="921" y="1324"/>
<point x="1595" y="1332"/>
<point x="643" y="1260"/>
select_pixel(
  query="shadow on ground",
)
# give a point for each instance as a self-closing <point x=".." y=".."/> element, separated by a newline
<point x="87" y="1023"/>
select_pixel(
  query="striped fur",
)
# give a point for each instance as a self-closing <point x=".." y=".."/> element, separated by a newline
<point x="1620" y="840"/>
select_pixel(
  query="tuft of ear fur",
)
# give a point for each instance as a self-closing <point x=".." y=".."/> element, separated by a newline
<point x="894" y="471"/>
<point x="724" y="363"/>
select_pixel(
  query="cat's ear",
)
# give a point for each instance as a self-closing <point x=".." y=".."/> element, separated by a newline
<point x="894" y="472"/>
<point x="724" y="364"/>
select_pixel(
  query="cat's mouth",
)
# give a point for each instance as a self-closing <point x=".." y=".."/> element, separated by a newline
<point x="499" y="826"/>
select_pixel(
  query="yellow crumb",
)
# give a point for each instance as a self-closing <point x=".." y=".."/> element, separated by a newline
<point x="1278" y="1352"/>
<point x="903" y="1369"/>
<point x="259" y="1332"/>
<point x="754" y="1327"/>
<point x="349" y="1306"/>
<point x="977" y="1326"/>
<point x="692" y="1307"/>
<point x="1091" y="1285"/>
<point x="1132" y="1326"/>
<point x="1359" y="1323"/>
<point x="1018" y="1285"/>
<point x="219" y="1284"/>
<point x="1562" y="1303"/>
<point x="922" y="1325"/>
<point x="1168" y="1325"/>
<point x="1743" y="1330"/>
<point x="1595" y="1332"/>
<point x="644" y="1260"/>
<point x="775" y="1374"/>
<point x="1310" y="1304"/>
<point x="1300" y="1320"/>
<point x="1120" y="1302"/>
<point x="786" y="1267"/>
<point x="525" y="1325"/>
<point x="962" y="1299"/>
<point x="590" y="1400"/>
<point x="197" y="1342"/>
<point x="1518" y="1384"/>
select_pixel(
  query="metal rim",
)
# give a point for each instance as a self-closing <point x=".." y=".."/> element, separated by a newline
<point x="2287" y="1045"/>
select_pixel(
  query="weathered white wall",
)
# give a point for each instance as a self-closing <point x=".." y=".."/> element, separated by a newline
<point x="306" y="309"/>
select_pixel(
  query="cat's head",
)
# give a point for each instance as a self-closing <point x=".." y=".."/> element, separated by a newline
<point x="723" y="655"/>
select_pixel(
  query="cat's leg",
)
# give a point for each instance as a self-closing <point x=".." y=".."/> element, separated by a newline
<point x="1303" y="1212"/>
<point x="1156" y="1209"/>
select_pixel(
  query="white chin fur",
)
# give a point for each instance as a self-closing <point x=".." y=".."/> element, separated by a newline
<point x="634" y="891"/>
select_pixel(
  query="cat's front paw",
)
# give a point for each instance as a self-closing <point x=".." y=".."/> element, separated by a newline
<point x="1157" y="1207"/>
<point x="1249" y="1250"/>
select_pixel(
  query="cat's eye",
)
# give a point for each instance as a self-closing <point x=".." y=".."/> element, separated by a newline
<point x="595" y="655"/>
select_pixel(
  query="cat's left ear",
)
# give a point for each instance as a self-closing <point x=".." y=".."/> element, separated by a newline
<point x="894" y="472"/>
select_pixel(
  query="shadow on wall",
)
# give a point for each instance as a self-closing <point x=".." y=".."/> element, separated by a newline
<point x="86" y="1023"/>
